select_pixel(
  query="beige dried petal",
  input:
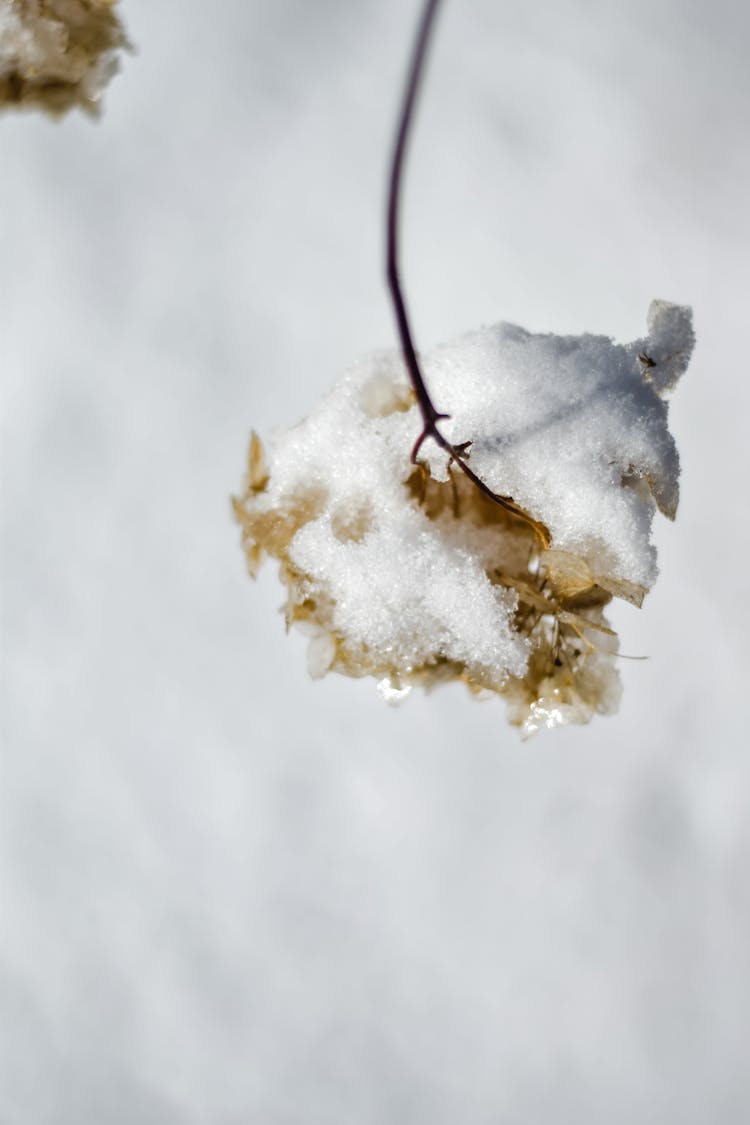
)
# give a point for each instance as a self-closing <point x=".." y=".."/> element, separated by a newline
<point x="580" y="624"/>
<point x="527" y="593"/>
<point x="254" y="554"/>
<point x="257" y="469"/>
<point x="569" y="574"/>
<point x="620" y="588"/>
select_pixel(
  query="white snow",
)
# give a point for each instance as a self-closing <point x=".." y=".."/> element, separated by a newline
<point x="574" y="429"/>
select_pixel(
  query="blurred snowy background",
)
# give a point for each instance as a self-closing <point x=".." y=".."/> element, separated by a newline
<point x="230" y="895"/>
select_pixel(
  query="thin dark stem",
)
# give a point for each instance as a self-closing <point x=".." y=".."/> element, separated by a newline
<point x="429" y="413"/>
<point x="430" y="416"/>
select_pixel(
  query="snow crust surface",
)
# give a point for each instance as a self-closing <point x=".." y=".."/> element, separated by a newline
<point x="411" y="575"/>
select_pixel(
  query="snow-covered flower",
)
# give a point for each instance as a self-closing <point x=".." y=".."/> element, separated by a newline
<point x="410" y="574"/>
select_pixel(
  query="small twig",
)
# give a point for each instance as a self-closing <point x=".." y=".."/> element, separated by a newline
<point x="430" y="416"/>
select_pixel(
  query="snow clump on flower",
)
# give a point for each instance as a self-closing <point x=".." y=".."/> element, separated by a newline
<point x="410" y="574"/>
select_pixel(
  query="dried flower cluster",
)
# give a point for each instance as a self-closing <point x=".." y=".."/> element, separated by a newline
<point x="57" y="54"/>
<point x="412" y="575"/>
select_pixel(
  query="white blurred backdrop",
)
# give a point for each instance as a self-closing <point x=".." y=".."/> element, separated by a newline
<point x="230" y="895"/>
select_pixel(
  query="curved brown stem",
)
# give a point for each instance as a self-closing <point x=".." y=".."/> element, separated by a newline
<point x="430" y="416"/>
